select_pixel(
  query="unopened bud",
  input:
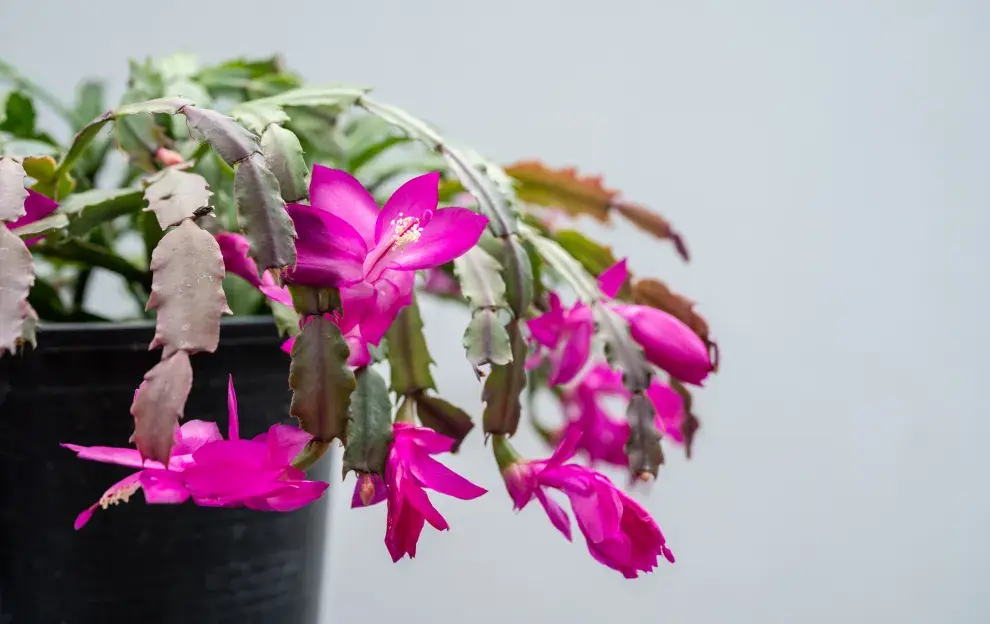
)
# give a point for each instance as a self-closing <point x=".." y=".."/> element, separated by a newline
<point x="367" y="488"/>
<point x="168" y="157"/>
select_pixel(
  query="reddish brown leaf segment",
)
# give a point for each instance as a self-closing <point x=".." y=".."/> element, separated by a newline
<point x="159" y="404"/>
<point x="576" y="195"/>
<point x="186" y="290"/>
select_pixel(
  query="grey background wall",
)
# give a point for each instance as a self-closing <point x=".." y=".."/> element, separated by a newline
<point x="828" y="162"/>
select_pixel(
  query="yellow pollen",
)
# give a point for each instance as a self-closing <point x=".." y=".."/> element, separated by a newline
<point x="407" y="231"/>
<point x="120" y="494"/>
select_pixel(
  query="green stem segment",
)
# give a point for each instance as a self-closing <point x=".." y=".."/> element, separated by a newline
<point x="313" y="452"/>
<point x="505" y="455"/>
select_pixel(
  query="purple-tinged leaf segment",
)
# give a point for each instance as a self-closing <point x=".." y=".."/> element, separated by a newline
<point x="159" y="405"/>
<point x="12" y="191"/>
<point x="176" y="195"/>
<point x="267" y="224"/>
<point x="284" y="155"/>
<point x="186" y="290"/>
<point x="369" y="426"/>
<point x="320" y="380"/>
<point x="232" y="141"/>
<point x="443" y="417"/>
<point x="408" y="356"/>
<point x="16" y="279"/>
<point x="503" y="389"/>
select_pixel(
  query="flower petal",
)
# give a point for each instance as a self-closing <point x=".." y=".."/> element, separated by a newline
<point x="112" y="455"/>
<point x="424" y="437"/>
<point x="567" y="362"/>
<point x="545" y="329"/>
<point x="338" y="193"/>
<point x="412" y="199"/>
<point x="163" y="486"/>
<point x="276" y="293"/>
<point x="418" y="499"/>
<point x="449" y="234"/>
<point x="558" y="517"/>
<point x="598" y="513"/>
<point x="119" y="491"/>
<point x="434" y="475"/>
<point x="287" y="345"/>
<point x="289" y="497"/>
<point x="234" y="249"/>
<point x="565" y="449"/>
<point x="36" y="207"/>
<point x="357" y="301"/>
<point x="233" y="428"/>
<point x="84" y="517"/>
<point x="670" y="409"/>
<point x="329" y="252"/>
<point x="391" y="295"/>
<point x="195" y="433"/>
<point x="285" y="442"/>
<point x="358" y="354"/>
<point x="405" y="525"/>
<point x="612" y="278"/>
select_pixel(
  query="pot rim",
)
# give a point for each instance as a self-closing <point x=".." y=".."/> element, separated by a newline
<point x="137" y="335"/>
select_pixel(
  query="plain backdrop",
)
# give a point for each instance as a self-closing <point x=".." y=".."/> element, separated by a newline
<point x="829" y="164"/>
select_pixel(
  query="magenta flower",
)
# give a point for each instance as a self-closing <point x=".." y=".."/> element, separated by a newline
<point x="255" y="473"/>
<point x="603" y="435"/>
<point x="345" y="241"/>
<point x="213" y="471"/>
<point x="409" y="471"/>
<point x="564" y="338"/>
<point x="666" y="341"/>
<point x="234" y="249"/>
<point x="36" y="207"/>
<point x="619" y="532"/>
<point x="158" y="484"/>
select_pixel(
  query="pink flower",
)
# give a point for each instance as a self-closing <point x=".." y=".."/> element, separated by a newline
<point x="36" y="207"/>
<point x="159" y="485"/>
<point x="666" y="341"/>
<point x="234" y="249"/>
<point x="409" y="471"/>
<point x="619" y="532"/>
<point x="213" y="471"/>
<point x="564" y="338"/>
<point x="603" y="435"/>
<point x="255" y="473"/>
<point x="371" y="255"/>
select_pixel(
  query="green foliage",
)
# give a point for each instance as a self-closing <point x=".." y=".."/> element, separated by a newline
<point x="408" y="356"/>
<point x="369" y="426"/>
<point x="320" y="380"/>
<point x="239" y="139"/>
<point x="503" y="389"/>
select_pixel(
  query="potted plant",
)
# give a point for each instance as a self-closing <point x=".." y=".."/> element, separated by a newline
<point x="318" y="217"/>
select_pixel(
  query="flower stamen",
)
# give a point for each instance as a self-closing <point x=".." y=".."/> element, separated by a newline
<point x="120" y="493"/>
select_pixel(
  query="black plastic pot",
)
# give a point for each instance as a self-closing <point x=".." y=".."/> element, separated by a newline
<point x="137" y="562"/>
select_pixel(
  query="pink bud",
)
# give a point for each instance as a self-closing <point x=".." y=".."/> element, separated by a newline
<point x="168" y="157"/>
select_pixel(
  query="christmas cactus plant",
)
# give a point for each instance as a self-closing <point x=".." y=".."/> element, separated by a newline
<point x="249" y="192"/>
